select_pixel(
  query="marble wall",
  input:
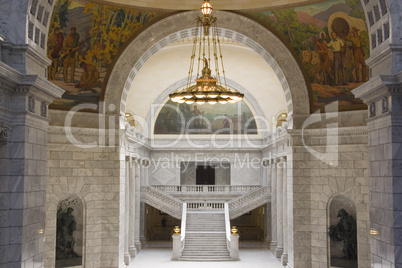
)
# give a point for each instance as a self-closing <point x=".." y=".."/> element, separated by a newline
<point x="312" y="181"/>
<point x="245" y="166"/>
<point x="94" y="176"/>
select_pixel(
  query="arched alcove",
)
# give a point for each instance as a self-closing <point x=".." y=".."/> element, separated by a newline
<point x="342" y="232"/>
<point x="70" y="232"/>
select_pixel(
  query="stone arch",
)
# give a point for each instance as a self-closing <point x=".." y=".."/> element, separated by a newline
<point x="232" y="26"/>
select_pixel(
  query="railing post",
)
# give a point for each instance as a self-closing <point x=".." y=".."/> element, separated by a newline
<point x="234" y="247"/>
<point x="176" y="247"/>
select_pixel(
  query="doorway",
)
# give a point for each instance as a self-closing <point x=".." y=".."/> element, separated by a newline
<point x="205" y="175"/>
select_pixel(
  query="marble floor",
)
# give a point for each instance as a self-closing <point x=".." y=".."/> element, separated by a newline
<point x="159" y="257"/>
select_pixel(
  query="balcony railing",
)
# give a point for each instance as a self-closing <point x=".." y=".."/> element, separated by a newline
<point x="205" y="206"/>
<point x="210" y="189"/>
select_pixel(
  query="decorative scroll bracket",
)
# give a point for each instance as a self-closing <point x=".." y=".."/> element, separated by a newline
<point x="5" y="130"/>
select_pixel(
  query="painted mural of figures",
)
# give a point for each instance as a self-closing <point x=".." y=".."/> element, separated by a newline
<point x="70" y="47"/>
<point x="66" y="225"/>
<point x="89" y="78"/>
<point x="325" y="70"/>
<point x="337" y="45"/>
<point x="168" y="123"/>
<point x="358" y="54"/>
<point x="55" y="46"/>
<point x="197" y="113"/>
<point x="345" y="231"/>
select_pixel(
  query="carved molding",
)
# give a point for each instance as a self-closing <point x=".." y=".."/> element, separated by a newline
<point x="43" y="109"/>
<point x="31" y="104"/>
<point x="5" y="130"/>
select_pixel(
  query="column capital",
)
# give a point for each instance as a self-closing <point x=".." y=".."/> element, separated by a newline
<point x="134" y="160"/>
<point x="145" y="162"/>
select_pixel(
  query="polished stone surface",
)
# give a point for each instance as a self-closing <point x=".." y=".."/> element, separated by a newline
<point x="156" y="257"/>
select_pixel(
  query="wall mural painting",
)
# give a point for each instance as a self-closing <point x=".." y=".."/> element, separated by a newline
<point x="82" y="47"/>
<point x="332" y="41"/>
<point x="230" y="118"/>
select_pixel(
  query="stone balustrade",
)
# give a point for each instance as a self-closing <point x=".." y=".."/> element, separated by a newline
<point x="161" y="200"/>
<point x="205" y="206"/>
<point x="210" y="189"/>
<point x="249" y="201"/>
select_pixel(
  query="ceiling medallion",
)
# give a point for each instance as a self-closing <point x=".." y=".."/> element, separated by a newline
<point x="208" y="89"/>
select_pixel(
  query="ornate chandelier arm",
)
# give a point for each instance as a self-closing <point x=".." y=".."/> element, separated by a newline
<point x="220" y="55"/>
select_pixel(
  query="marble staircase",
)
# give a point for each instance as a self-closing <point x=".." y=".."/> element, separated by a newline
<point x="205" y="238"/>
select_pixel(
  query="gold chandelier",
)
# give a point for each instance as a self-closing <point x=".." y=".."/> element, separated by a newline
<point x="208" y="89"/>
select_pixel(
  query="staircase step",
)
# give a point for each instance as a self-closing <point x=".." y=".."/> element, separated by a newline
<point x="205" y="238"/>
<point x="206" y="259"/>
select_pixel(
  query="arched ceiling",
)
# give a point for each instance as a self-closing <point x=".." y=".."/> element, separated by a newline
<point x="217" y="4"/>
<point x="171" y="63"/>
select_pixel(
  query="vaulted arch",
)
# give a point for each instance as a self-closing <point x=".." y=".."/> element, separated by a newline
<point x="233" y="26"/>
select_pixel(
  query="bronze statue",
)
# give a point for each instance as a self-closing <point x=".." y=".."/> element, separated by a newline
<point x="345" y="231"/>
<point x="66" y="225"/>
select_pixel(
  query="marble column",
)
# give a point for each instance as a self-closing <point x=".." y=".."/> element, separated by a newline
<point x="24" y="122"/>
<point x="383" y="95"/>
<point x="137" y="206"/>
<point x="142" y="226"/>
<point x="132" y="249"/>
<point x="279" y="209"/>
<point x="127" y="209"/>
<point x="268" y="236"/>
<point x="284" y="257"/>
<point x="267" y="182"/>
<point x="144" y="165"/>
<point x="273" y="206"/>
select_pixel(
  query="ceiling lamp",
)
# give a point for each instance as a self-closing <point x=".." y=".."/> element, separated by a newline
<point x="208" y="89"/>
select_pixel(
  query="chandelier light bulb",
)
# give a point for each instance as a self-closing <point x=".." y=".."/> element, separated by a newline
<point x="212" y="101"/>
<point x="200" y="101"/>
<point x="223" y="101"/>
<point x="206" y="8"/>
<point x="189" y="101"/>
<point x="188" y="95"/>
<point x="199" y="95"/>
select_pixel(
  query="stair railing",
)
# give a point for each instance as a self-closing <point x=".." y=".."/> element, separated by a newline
<point x="227" y="225"/>
<point x="249" y="200"/>
<point x="161" y="200"/>
<point x="183" y="225"/>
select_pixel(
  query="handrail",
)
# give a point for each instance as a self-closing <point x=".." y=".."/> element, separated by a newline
<point x="183" y="225"/>
<point x="183" y="222"/>
<point x="253" y="199"/>
<point x="227" y="225"/>
<point x="162" y="201"/>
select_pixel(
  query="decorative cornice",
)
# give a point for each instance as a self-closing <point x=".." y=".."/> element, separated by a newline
<point x="379" y="87"/>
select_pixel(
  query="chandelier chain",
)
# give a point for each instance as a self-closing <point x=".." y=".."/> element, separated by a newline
<point x="208" y="88"/>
